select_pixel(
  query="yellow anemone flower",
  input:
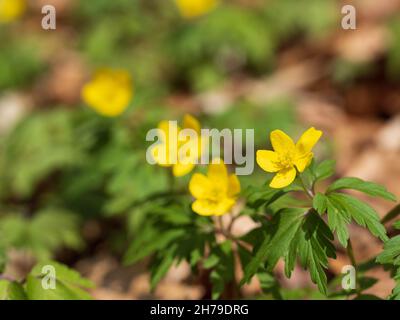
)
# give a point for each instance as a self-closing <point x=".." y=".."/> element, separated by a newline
<point x="109" y="92"/>
<point x="195" y="8"/>
<point x="11" y="10"/>
<point x="180" y="154"/>
<point x="215" y="193"/>
<point x="288" y="156"/>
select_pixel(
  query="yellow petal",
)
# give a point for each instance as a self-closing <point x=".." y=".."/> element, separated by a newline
<point x="213" y="208"/>
<point x="268" y="160"/>
<point x="11" y="10"/>
<point x="283" y="178"/>
<point x="190" y="122"/>
<point x="182" y="169"/>
<point x="188" y="151"/>
<point x="160" y="155"/>
<point x="224" y="206"/>
<point x="194" y="8"/>
<point x="304" y="162"/>
<point x="282" y="143"/>
<point x="109" y="92"/>
<point x="217" y="172"/>
<point x="204" y="207"/>
<point x="307" y="141"/>
<point x="164" y="127"/>
<point x="233" y="185"/>
<point x="199" y="186"/>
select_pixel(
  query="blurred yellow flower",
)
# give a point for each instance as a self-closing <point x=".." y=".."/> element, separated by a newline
<point x="11" y="10"/>
<point x="195" y="8"/>
<point x="288" y="156"/>
<point x="215" y="193"/>
<point x="109" y="92"/>
<point x="180" y="154"/>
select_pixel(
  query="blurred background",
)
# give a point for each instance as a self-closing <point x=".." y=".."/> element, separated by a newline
<point x="262" y="64"/>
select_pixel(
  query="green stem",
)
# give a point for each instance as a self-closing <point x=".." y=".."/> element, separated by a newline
<point x="308" y="192"/>
<point x="391" y="214"/>
<point x="350" y="254"/>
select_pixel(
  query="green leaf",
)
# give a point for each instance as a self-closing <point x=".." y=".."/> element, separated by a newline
<point x="223" y="272"/>
<point x="320" y="203"/>
<point x="324" y="170"/>
<point x="277" y="241"/>
<point x="312" y="243"/>
<point x="41" y="144"/>
<point x="264" y="196"/>
<point x="391" y="252"/>
<point x="369" y="188"/>
<point x="396" y="225"/>
<point x="211" y="261"/>
<point x="11" y="290"/>
<point x="62" y="230"/>
<point x="269" y="284"/>
<point x="161" y="266"/>
<point x="63" y="273"/>
<point x="150" y="241"/>
<point x="338" y="219"/>
<point x="363" y="214"/>
<point x="69" y="283"/>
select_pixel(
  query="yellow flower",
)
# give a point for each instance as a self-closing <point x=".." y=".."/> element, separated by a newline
<point x="109" y="92"/>
<point x="195" y="8"/>
<point x="288" y="156"/>
<point x="215" y="193"/>
<point x="180" y="154"/>
<point x="11" y="10"/>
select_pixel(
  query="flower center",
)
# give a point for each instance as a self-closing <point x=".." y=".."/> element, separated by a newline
<point x="216" y="193"/>
<point x="286" y="160"/>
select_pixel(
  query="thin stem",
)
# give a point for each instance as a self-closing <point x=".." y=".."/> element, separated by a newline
<point x="350" y="254"/>
<point x="309" y="192"/>
<point x="391" y="214"/>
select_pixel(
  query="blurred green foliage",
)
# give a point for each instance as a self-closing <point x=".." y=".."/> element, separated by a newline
<point x="64" y="166"/>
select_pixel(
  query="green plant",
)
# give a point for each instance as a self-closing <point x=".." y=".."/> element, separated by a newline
<point x="68" y="284"/>
<point x="295" y="223"/>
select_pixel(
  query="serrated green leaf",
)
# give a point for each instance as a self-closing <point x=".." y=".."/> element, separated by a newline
<point x="150" y="242"/>
<point x="338" y="219"/>
<point x="62" y="230"/>
<point x="63" y="273"/>
<point x="362" y="213"/>
<point x="70" y="284"/>
<point x="276" y="243"/>
<point x="369" y="188"/>
<point x="264" y="196"/>
<point x="320" y="203"/>
<point x="391" y="252"/>
<point x="161" y="267"/>
<point x="312" y="243"/>
<point x="223" y="272"/>
<point x="35" y="291"/>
